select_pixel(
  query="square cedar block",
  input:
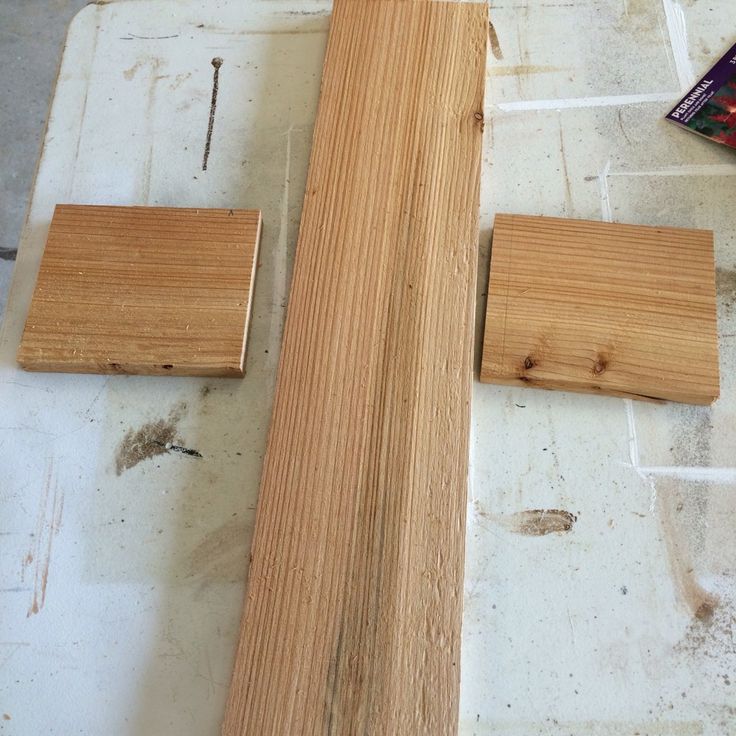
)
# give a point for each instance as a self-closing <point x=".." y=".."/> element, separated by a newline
<point x="604" y="308"/>
<point x="147" y="290"/>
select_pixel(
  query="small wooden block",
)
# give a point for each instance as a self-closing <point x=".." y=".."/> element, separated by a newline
<point x="598" y="307"/>
<point x="147" y="290"/>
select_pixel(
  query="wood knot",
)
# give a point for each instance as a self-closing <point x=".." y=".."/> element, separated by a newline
<point x="600" y="366"/>
<point x="478" y="116"/>
<point x="529" y="363"/>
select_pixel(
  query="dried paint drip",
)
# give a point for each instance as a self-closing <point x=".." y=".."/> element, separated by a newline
<point x="217" y="63"/>
<point x="539" y="522"/>
<point x="531" y="522"/>
<point x="494" y="42"/>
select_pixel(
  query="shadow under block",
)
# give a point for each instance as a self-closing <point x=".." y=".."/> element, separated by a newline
<point x="353" y="611"/>
<point x="146" y="290"/>
<point x="598" y="307"/>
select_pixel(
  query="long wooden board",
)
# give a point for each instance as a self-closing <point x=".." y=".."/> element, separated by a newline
<point x="625" y="310"/>
<point x="151" y="290"/>
<point x="353" y="610"/>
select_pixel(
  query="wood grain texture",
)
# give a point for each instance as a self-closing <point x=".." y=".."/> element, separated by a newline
<point x="353" y="610"/>
<point x="600" y="307"/>
<point x="149" y="290"/>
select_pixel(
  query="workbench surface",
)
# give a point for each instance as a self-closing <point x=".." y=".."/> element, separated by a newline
<point x="123" y="571"/>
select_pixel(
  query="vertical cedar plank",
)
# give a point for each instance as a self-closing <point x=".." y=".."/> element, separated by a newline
<point x="353" y="611"/>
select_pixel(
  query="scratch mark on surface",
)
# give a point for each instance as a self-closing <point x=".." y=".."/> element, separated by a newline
<point x="156" y="64"/>
<point x="97" y="396"/>
<point x="494" y="42"/>
<point x="262" y="32"/>
<point x="133" y="36"/>
<point x="284" y="220"/>
<point x="619" y="119"/>
<point x="306" y="12"/>
<point x="26" y="385"/>
<point x="216" y="63"/>
<point x="47" y="527"/>
<point x="606" y="213"/>
<point x="281" y="264"/>
<point x="563" y="156"/>
<point x="83" y="116"/>
<point x="178" y="448"/>
<point x="572" y="628"/>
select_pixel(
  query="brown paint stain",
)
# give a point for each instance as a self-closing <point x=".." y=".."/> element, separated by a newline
<point x="533" y="522"/>
<point x="701" y="604"/>
<point x="179" y="79"/>
<point x="705" y="611"/>
<point x="50" y="511"/>
<point x="539" y="522"/>
<point x="130" y="73"/>
<point x="27" y="561"/>
<point x="710" y="634"/>
<point x="494" y="42"/>
<point x="148" y="441"/>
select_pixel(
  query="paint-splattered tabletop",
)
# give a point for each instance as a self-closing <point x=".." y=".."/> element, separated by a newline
<point x="601" y="559"/>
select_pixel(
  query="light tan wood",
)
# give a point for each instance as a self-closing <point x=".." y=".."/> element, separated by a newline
<point x="600" y="307"/>
<point x="150" y="290"/>
<point x="353" y="610"/>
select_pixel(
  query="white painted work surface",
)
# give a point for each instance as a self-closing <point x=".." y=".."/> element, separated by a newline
<point x="122" y="582"/>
